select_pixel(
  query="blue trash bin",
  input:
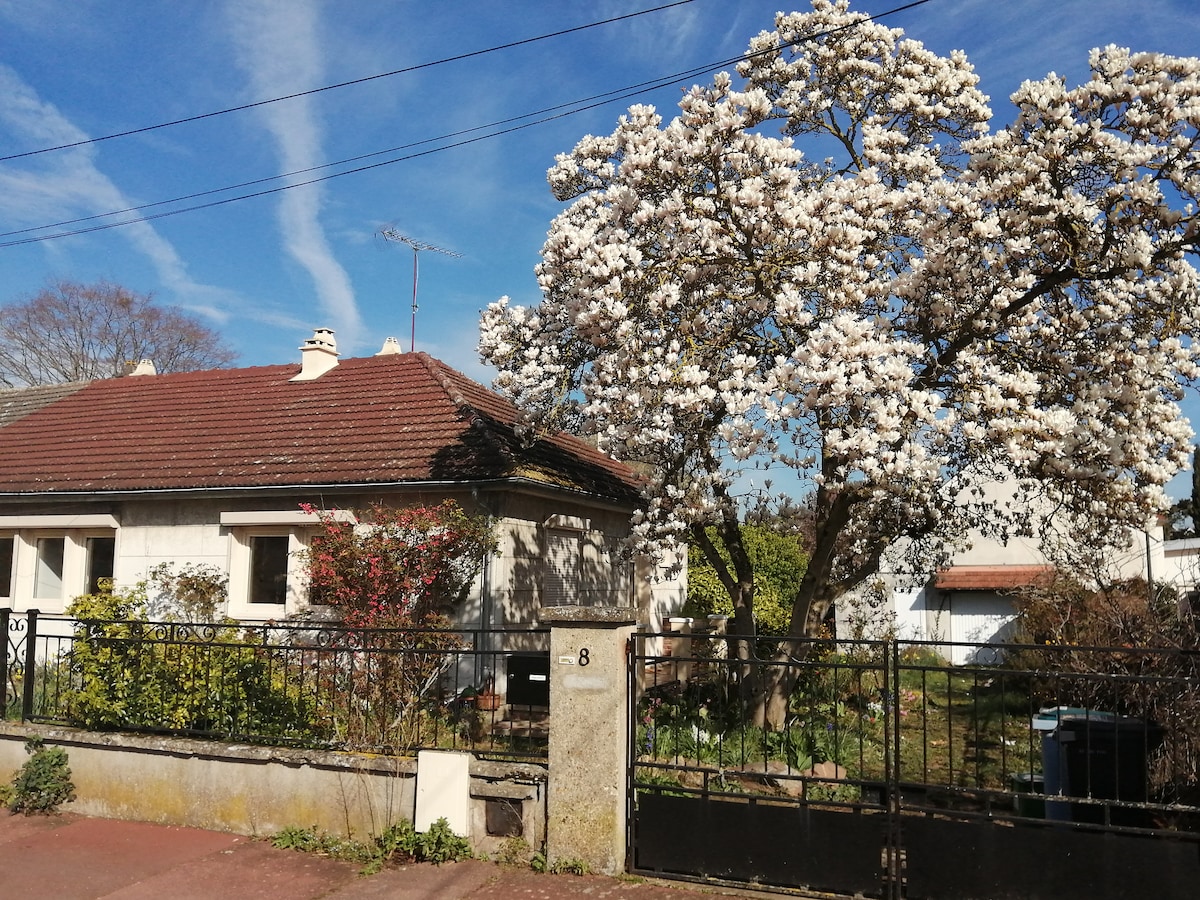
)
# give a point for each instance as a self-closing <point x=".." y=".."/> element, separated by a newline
<point x="1095" y="754"/>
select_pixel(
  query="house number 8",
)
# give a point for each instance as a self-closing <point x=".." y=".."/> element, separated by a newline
<point x="584" y="657"/>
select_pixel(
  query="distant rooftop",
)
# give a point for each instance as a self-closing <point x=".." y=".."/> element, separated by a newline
<point x="20" y="402"/>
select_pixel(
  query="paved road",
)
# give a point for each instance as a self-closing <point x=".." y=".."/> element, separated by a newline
<point x="74" y="858"/>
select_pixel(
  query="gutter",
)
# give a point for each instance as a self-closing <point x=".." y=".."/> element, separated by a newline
<point x="528" y="485"/>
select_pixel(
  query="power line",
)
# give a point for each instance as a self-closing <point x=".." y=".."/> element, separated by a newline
<point x="559" y="111"/>
<point x="332" y="87"/>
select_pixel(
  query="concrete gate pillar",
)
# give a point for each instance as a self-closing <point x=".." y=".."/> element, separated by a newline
<point x="589" y="724"/>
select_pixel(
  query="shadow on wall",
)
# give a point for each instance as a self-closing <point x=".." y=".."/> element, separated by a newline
<point x="596" y="572"/>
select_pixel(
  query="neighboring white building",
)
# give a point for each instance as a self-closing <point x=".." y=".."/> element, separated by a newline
<point x="970" y="601"/>
<point x="114" y="477"/>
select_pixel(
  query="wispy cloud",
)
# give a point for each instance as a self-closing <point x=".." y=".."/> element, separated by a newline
<point x="666" y="37"/>
<point x="69" y="184"/>
<point x="277" y="47"/>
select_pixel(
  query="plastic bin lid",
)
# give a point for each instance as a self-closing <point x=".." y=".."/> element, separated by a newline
<point x="1050" y="717"/>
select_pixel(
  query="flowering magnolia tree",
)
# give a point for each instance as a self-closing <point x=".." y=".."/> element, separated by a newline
<point x="387" y="566"/>
<point x="936" y="306"/>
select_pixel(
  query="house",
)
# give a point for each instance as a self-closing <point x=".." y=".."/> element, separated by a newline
<point x="970" y="601"/>
<point x="114" y="477"/>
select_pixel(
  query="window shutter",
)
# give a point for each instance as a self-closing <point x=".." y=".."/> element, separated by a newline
<point x="560" y="575"/>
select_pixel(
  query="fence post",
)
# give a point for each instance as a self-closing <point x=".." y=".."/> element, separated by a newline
<point x="589" y="751"/>
<point x="5" y="644"/>
<point x="681" y="648"/>
<point x="29" y="676"/>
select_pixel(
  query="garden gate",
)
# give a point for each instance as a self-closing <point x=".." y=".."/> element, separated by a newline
<point x="897" y="774"/>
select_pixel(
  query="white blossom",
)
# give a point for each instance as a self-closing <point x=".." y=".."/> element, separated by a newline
<point x="941" y="304"/>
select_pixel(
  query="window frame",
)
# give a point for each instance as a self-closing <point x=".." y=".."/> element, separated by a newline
<point x="41" y="540"/>
<point x="8" y="572"/>
<point x="91" y="577"/>
<point x="255" y="581"/>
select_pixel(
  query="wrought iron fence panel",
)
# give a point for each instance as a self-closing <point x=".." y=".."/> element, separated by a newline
<point x="309" y="684"/>
<point x="1080" y="761"/>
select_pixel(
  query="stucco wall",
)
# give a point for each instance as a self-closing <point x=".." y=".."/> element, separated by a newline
<point x="261" y="790"/>
<point x="509" y="592"/>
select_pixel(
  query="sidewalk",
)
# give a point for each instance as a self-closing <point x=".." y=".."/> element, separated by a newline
<point x="74" y="858"/>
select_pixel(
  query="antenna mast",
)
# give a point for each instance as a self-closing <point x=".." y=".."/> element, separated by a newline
<point x="391" y="234"/>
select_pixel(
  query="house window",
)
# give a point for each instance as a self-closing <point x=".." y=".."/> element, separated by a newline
<point x="6" y="565"/>
<point x="561" y="568"/>
<point x="48" y="575"/>
<point x="101" y="551"/>
<point x="268" y="568"/>
<point x="316" y="597"/>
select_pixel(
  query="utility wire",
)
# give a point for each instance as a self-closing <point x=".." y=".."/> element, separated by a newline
<point x="559" y="110"/>
<point x="548" y="114"/>
<point x="332" y="87"/>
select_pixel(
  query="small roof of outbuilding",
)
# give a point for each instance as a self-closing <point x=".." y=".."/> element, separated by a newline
<point x="387" y="419"/>
<point x="990" y="578"/>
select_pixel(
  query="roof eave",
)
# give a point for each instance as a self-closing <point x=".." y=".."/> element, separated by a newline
<point x="525" y="484"/>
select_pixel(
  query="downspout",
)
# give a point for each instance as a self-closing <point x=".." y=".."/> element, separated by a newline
<point x="1149" y="572"/>
<point x="487" y="604"/>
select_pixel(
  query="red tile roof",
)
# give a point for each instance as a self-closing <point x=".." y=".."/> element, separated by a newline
<point x="374" y="420"/>
<point x="989" y="578"/>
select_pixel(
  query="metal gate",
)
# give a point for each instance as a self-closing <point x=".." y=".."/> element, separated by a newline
<point x="892" y="773"/>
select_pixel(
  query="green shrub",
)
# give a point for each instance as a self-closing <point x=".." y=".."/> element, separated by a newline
<point x="193" y="593"/>
<point x="779" y="566"/>
<point x="127" y="672"/>
<point x="43" y="782"/>
<point x="440" y="844"/>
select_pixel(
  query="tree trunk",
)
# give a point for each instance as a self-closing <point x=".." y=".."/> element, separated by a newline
<point x="777" y="679"/>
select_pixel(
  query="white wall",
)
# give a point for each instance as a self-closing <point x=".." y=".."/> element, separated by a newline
<point x="919" y="612"/>
<point x="212" y="532"/>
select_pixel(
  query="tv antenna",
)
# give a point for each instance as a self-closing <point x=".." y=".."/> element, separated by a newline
<point x="391" y="234"/>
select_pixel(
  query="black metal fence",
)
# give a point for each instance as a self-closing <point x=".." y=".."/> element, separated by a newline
<point x="880" y="769"/>
<point x="306" y="684"/>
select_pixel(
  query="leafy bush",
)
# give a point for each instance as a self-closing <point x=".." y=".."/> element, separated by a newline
<point x="193" y="593"/>
<point x="779" y="567"/>
<point x="386" y="564"/>
<point x="440" y="844"/>
<point x="391" y="574"/>
<point x="128" y="672"/>
<point x="1119" y="618"/>
<point x="43" y="782"/>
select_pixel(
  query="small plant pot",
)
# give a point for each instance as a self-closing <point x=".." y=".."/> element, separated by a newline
<point x="487" y="701"/>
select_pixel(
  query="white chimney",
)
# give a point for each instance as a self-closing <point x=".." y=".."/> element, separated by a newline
<point x="390" y="346"/>
<point x="144" y="367"/>
<point x="317" y="355"/>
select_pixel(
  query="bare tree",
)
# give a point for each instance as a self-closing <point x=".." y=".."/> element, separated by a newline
<point x="77" y="332"/>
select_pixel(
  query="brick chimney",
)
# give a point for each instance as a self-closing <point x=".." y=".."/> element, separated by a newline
<point x="317" y="355"/>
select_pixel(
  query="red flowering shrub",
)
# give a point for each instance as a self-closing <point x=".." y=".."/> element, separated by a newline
<point x="393" y="575"/>
<point x="396" y="565"/>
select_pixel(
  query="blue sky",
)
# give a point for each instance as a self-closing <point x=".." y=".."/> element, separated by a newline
<point x="265" y="271"/>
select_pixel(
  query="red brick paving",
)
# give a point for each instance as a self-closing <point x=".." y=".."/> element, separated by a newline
<point x="74" y="858"/>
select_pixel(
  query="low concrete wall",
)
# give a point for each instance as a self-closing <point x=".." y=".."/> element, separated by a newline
<point x="261" y="790"/>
